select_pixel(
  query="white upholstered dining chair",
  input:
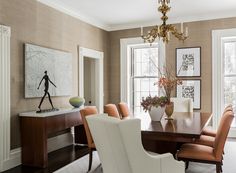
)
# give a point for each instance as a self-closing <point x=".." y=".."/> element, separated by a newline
<point x="120" y="150"/>
<point x="182" y="104"/>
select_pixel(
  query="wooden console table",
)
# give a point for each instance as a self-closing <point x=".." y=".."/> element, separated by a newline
<point x="35" y="128"/>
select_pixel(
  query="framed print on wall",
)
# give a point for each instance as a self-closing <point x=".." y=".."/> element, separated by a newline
<point x="190" y="89"/>
<point x="58" y="65"/>
<point x="188" y="62"/>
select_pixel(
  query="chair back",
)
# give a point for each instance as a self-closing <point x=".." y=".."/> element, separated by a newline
<point x="182" y="104"/>
<point x="120" y="149"/>
<point x="222" y="133"/>
<point x="124" y="109"/>
<point x="111" y="110"/>
<point x="109" y="143"/>
<point x="87" y="111"/>
<point x="228" y="108"/>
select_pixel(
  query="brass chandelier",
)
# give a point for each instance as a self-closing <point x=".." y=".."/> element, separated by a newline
<point x="163" y="31"/>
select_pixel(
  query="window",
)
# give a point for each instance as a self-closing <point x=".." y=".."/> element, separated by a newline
<point x="138" y="70"/>
<point x="144" y="73"/>
<point x="230" y="72"/>
<point x="229" y="58"/>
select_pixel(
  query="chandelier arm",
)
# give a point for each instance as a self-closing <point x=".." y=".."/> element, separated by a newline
<point x="178" y="35"/>
<point x="151" y="36"/>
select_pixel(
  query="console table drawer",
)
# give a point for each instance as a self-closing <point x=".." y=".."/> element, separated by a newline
<point x="72" y="119"/>
<point x="55" y="123"/>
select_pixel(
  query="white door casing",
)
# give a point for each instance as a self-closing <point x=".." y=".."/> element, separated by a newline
<point x="98" y="56"/>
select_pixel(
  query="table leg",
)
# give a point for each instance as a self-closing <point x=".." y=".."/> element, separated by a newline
<point x="34" y="142"/>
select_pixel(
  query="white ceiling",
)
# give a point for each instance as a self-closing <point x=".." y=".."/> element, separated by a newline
<point x="123" y="14"/>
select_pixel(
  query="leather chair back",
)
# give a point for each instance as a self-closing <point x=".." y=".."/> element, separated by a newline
<point x="124" y="109"/>
<point x="111" y="110"/>
<point x="87" y="111"/>
<point x="222" y="133"/>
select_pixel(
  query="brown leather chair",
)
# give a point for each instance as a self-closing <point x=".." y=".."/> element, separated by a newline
<point x="124" y="110"/>
<point x="90" y="110"/>
<point x="208" y="136"/>
<point x="205" y="154"/>
<point x="111" y="110"/>
<point x="209" y="132"/>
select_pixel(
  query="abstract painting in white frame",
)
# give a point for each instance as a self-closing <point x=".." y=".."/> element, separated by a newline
<point x="58" y="65"/>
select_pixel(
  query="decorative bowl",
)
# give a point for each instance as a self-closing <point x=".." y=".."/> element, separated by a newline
<point x="77" y="101"/>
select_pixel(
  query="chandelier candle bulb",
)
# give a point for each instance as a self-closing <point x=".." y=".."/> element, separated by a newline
<point x="186" y="31"/>
<point x="168" y="36"/>
<point x="182" y="28"/>
<point x="141" y="31"/>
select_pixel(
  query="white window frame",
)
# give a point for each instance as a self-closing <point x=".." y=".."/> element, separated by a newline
<point x="125" y="65"/>
<point x="218" y="37"/>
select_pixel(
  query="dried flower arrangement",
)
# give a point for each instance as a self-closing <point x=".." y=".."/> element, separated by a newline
<point x="155" y="101"/>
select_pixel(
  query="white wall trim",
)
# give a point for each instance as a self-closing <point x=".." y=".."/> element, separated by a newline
<point x="217" y="72"/>
<point x="76" y="14"/>
<point x="13" y="160"/>
<point x="125" y="65"/>
<point x="85" y="52"/>
<point x="129" y="25"/>
<point x="5" y="112"/>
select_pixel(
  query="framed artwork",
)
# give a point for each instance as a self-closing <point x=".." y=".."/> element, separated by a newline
<point x="190" y="89"/>
<point x="58" y="65"/>
<point x="188" y="62"/>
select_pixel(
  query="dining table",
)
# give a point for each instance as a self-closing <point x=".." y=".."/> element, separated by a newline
<point x="168" y="135"/>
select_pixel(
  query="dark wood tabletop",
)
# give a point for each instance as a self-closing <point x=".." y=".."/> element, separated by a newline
<point x="185" y="127"/>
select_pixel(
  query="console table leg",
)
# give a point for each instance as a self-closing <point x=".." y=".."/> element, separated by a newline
<point x="34" y="142"/>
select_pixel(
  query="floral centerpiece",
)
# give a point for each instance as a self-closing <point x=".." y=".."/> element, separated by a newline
<point x="149" y="102"/>
<point x="155" y="106"/>
<point x="168" y="82"/>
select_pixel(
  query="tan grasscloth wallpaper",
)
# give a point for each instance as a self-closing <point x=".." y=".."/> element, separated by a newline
<point x="33" y="22"/>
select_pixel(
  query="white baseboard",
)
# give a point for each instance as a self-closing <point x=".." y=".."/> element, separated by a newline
<point x="14" y="159"/>
<point x="54" y="143"/>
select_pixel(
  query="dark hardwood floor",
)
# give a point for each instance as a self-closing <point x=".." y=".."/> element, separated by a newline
<point x="56" y="160"/>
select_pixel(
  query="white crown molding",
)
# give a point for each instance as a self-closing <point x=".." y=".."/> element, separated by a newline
<point x="108" y="27"/>
<point x="77" y="15"/>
